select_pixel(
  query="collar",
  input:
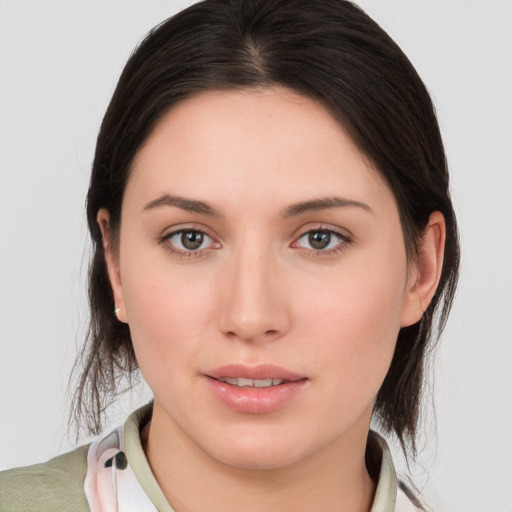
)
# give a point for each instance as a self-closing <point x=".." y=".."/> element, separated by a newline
<point x="125" y="483"/>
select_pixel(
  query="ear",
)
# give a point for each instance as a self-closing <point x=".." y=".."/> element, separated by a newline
<point x="424" y="277"/>
<point x="103" y="219"/>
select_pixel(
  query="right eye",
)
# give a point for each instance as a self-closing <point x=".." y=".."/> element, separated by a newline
<point x="188" y="241"/>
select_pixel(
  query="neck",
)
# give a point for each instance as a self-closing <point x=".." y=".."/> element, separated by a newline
<point x="334" y="478"/>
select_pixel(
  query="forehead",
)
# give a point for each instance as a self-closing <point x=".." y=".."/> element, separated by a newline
<point x="256" y="143"/>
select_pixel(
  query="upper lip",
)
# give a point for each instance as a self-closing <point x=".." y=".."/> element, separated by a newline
<point x="258" y="372"/>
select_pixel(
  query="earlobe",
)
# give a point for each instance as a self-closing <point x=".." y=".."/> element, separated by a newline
<point x="103" y="219"/>
<point x="423" y="281"/>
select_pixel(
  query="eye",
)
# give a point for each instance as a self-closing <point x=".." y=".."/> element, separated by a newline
<point x="324" y="240"/>
<point x="188" y="241"/>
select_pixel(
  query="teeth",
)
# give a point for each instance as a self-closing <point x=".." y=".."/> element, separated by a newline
<point x="248" y="383"/>
<point x="251" y="383"/>
<point x="263" y="383"/>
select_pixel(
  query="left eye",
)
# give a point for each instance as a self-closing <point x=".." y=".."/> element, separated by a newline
<point x="320" y="240"/>
<point x="188" y="240"/>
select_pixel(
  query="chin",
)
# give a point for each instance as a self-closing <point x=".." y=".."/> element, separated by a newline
<point x="257" y="461"/>
<point x="257" y="453"/>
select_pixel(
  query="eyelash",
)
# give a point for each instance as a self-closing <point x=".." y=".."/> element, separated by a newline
<point x="343" y="240"/>
<point x="165" y="241"/>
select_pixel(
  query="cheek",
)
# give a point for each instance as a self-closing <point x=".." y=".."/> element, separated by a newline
<point x="355" y="318"/>
<point x="168" y="311"/>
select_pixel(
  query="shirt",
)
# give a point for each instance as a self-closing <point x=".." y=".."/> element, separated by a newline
<point x="113" y="474"/>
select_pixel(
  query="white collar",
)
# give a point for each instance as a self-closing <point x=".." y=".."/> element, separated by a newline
<point x="111" y="487"/>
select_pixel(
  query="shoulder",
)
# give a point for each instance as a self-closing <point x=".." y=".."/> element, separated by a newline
<point x="54" y="485"/>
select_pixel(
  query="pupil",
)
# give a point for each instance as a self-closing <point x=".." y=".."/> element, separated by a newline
<point x="191" y="239"/>
<point x="319" y="239"/>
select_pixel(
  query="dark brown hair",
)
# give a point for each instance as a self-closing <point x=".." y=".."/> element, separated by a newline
<point x="330" y="51"/>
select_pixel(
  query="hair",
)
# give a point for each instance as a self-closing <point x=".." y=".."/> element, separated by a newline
<point x="330" y="51"/>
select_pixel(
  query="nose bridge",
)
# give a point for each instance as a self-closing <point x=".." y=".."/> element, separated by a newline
<point x="253" y="305"/>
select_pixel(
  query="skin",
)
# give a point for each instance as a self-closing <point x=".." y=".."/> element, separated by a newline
<point x="257" y="291"/>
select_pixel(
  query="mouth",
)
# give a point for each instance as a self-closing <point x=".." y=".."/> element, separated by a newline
<point x="260" y="376"/>
<point x="255" y="389"/>
<point x="251" y="383"/>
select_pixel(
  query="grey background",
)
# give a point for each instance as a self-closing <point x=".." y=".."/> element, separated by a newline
<point x="59" y="63"/>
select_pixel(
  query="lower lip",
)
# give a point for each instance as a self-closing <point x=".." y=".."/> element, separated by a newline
<point x="255" y="400"/>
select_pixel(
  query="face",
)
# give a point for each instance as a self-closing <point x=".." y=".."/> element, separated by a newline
<point x="261" y="268"/>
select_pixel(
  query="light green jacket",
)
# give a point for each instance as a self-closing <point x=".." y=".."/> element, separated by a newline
<point x="58" y="485"/>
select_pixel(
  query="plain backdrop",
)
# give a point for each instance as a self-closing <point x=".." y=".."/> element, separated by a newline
<point x="59" y="63"/>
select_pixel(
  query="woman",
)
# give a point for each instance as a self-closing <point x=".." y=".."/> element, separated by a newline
<point x="273" y="230"/>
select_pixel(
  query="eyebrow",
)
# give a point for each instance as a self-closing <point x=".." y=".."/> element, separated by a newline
<point x="296" y="209"/>
<point x="322" y="204"/>
<point x="189" y="205"/>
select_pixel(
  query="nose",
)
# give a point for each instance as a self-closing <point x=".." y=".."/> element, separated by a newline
<point x="253" y="298"/>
